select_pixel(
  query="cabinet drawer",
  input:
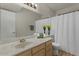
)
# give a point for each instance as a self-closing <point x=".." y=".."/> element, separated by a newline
<point x="49" y="47"/>
<point x="49" y="53"/>
<point x="49" y="50"/>
<point x="40" y="53"/>
<point x="37" y="48"/>
<point x="25" y="53"/>
<point x="49" y="43"/>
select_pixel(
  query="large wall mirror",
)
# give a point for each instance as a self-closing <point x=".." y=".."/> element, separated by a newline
<point x="16" y="22"/>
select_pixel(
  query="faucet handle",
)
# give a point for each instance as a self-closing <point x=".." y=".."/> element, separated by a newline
<point x="22" y="40"/>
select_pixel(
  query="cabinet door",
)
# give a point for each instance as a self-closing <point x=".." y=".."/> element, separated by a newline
<point x="40" y="53"/>
<point x="49" y="50"/>
<point x="76" y="33"/>
<point x="39" y="50"/>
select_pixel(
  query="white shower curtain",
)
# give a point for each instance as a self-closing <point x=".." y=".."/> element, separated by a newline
<point x="71" y="37"/>
<point x="60" y="31"/>
<point x="54" y="23"/>
<point x="65" y="33"/>
<point x="66" y="36"/>
<point x="76" y="33"/>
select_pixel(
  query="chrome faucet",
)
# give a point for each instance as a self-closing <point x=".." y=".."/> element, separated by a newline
<point x="22" y="40"/>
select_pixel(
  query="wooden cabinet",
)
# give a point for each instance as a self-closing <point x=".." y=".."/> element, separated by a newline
<point x="40" y="53"/>
<point x="44" y="49"/>
<point x="49" y="48"/>
<point x="25" y="53"/>
<point x="39" y="50"/>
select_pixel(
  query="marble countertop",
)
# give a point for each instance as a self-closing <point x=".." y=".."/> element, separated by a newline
<point x="10" y="49"/>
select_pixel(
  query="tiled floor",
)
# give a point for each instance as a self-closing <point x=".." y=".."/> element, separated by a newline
<point x="62" y="53"/>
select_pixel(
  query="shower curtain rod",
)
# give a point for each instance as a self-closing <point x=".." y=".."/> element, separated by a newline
<point x="67" y="12"/>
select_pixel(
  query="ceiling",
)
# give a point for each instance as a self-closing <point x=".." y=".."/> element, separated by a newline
<point x="10" y="6"/>
<point x="58" y="6"/>
<point x="52" y="6"/>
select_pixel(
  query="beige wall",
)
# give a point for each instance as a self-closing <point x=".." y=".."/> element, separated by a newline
<point x="69" y="9"/>
<point x="25" y="18"/>
<point x="45" y="11"/>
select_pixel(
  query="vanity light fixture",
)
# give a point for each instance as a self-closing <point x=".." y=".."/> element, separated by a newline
<point x="33" y="5"/>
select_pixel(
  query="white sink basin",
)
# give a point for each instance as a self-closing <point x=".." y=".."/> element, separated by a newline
<point x="22" y="45"/>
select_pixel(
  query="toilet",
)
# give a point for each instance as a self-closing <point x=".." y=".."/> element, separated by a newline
<point x="55" y="45"/>
<point x="56" y="48"/>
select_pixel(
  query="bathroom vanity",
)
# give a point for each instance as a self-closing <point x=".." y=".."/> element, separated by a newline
<point x="33" y="47"/>
<point x="43" y="49"/>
